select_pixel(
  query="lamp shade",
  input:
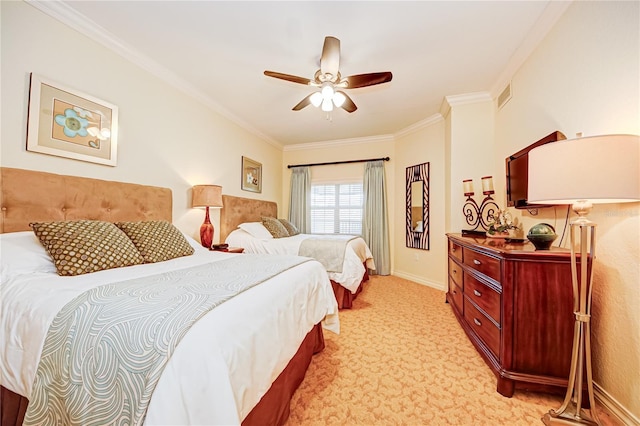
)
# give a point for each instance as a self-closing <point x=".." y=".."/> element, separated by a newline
<point x="206" y="196"/>
<point x="598" y="169"/>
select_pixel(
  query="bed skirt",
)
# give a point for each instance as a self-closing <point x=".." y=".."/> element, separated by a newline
<point x="273" y="408"/>
<point x="344" y="297"/>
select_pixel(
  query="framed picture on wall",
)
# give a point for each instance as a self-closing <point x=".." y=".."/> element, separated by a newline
<point x="251" y="175"/>
<point x="68" y="123"/>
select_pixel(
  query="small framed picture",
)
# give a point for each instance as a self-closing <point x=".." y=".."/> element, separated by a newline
<point x="68" y="123"/>
<point x="251" y="175"/>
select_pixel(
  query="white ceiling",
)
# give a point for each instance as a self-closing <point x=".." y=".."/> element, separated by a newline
<point x="217" y="51"/>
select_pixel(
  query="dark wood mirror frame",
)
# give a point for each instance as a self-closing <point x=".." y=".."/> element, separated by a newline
<point x="417" y="237"/>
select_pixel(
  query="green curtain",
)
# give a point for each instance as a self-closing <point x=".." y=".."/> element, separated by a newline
<point x="300" y="199"/>
<point x="375" y="223"/>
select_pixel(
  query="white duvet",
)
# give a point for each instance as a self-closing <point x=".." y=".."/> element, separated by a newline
<point x="220" y="369"/>
<point x="356" y="254"/>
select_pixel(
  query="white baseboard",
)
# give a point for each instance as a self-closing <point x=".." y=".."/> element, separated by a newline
<point x="420" y="280"/>
<point x="614" y="408"/>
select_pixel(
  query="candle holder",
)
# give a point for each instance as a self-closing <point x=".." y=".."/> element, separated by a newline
<point x="479" y="216"/>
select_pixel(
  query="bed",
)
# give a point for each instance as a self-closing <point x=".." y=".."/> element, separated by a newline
<point x="240" y="223"/>
<point x="226" y="369"/>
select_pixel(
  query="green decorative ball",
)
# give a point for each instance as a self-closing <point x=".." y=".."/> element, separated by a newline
<point x="542" y="236"/>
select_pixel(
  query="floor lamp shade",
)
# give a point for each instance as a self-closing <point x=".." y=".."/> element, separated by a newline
<point x="583" y="172"/>
<point x="206" y="196"/>
<point x="600" y="169"/>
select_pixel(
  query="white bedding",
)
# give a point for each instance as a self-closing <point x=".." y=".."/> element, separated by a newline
<point x="356" y="254"/>
<point x="220" y="369"/>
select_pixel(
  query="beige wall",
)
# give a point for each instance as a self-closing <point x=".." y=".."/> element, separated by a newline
<point x="471" y="144"/>
<point x="166" y="138"/>
<point x="421" y="144"/>
<point x="585" y="77"/>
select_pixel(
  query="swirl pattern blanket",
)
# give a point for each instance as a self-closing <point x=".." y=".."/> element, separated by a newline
<point x="327" y="249"/>
<point x="105" y="350"/>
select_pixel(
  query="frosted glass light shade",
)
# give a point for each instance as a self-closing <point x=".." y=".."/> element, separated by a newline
<point x="338" y="99"/>
<point x="598" y="169"/>
<point x="327" y="91"/>
<point x="316" y="99"/>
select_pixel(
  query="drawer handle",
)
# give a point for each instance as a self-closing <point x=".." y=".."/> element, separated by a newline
<point x="455" y="271"/>
<point x="477" y="293"/>
<point x="453" y="249"/>
<point x="477" y="262"/>
<point x="477" y="321"/>
<point x="455" y="291"/>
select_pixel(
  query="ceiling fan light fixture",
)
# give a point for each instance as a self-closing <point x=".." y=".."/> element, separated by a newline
<point x="338" y="99"/>
<point x="316" y="99"/>
<point x="329" y="82"/>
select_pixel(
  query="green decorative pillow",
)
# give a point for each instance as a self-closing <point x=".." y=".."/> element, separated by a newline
<point x="290" y="227"/>
<point x="85" y="246"/>
<point x="156" y="241"/>
<point x="274" y="226"/>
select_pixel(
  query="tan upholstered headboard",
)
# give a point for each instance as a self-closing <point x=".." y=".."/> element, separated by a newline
<point x="238" y="210"/>
<point x="30" y="196"/>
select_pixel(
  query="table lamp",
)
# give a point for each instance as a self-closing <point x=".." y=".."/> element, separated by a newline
<point x="582" y="172"/>
<point x="206" y="196"/>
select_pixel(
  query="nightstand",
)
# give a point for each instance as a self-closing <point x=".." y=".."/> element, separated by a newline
<point x="230" y="250"/>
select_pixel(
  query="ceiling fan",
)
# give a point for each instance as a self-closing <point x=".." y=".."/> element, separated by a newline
<point x="328" y="80"/>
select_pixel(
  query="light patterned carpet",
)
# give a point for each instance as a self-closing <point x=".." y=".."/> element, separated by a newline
<point x="402" y="359"/>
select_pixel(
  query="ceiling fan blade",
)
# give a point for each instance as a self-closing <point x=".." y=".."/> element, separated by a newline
<point x="288" y="77"/>
<point x="330" y="59"/>
<point x="348" y="104"/>
<point x="364" y="80"/>
<point x="303" y="103"/>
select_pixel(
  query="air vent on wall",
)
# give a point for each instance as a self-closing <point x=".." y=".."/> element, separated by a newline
<point x="504" y="97"/>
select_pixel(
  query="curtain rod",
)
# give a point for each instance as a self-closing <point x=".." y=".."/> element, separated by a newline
<point x="337" y="162"/>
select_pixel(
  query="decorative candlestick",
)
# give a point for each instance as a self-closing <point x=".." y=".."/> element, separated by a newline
<point x="478" y="216"/>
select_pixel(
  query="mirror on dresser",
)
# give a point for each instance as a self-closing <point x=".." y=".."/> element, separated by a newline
<point x="417" y="205"/>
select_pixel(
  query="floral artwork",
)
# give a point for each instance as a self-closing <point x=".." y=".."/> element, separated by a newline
<point x="67" y="123"/>
<point x="251" y="175"/>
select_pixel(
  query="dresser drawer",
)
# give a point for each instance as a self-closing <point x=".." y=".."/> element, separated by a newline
<point x="455" y="272"/>
<point x="455" y="250"/>
<point x="487" y="265"/>
<point x="485" y="297"/>
<point x="482" y="327"/>
<point x="456" y="296"/>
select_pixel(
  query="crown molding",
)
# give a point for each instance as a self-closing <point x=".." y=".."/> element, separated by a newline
<point x="70" y="17"/>
<point x="463" y="99"/>
<point x="429" y="121"/>
<point x="339" y="143"/>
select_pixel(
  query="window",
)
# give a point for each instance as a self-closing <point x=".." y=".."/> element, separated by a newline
<point x="336" y="208"/>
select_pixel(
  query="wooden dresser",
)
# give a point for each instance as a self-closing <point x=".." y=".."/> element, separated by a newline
<point x="516" y="306"/>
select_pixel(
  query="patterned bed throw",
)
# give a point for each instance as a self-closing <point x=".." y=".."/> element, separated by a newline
<point x="105" y="350"/>
<point x="327" y="249"/>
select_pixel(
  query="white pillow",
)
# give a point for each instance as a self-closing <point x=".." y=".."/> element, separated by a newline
<point x="240" y="238"/>
<point x="22" y="253"/>
<point x="256" y="229"/>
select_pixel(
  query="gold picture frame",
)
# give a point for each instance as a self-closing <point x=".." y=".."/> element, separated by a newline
<point x="251" y="179"/>
<point x="67" y="123"/>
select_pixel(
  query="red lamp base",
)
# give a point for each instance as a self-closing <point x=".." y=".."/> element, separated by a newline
<point x="206" y="231"/>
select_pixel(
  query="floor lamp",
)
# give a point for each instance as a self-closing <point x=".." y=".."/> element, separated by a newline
<point x="583" y="172"/>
